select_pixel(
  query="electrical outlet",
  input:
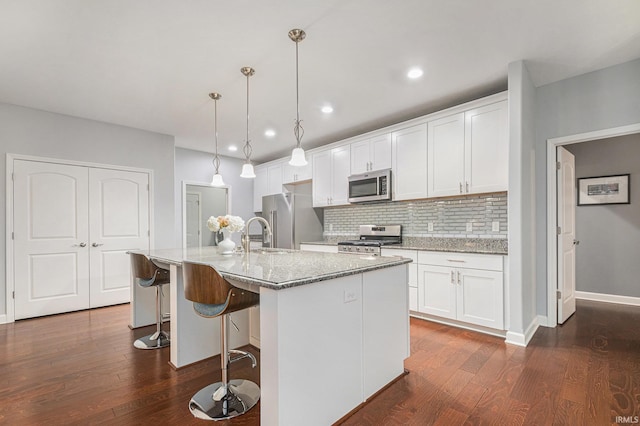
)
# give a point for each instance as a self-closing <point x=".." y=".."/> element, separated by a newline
<point x="495" y="226"/>
<point x="350" y="296"/>
<point x="469" y="227"/>
<point x="430" y="226"/>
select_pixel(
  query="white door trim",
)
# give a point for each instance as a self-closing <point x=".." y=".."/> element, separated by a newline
<point x="552" y="222"/>
<point x="9" y="255"/>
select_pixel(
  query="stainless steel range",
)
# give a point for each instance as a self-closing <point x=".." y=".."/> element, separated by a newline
<point x="372" y="237"/>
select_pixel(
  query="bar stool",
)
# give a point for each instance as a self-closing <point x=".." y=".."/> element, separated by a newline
<point x="213" y="296"/>
<point x="148" y="274"/>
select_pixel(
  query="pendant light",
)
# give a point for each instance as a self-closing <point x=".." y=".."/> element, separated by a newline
<point x="297" y="155"/>
<point x="217" y="177"/>
<point x="247" y="168"/>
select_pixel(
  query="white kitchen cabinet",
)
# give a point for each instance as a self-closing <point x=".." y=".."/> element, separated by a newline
<point x="330" y="170"/>
<point x="274" y="177"/>
<point x="409" y="163"/>
<point x="463" y="287"/>
<point x="446" y="155"/>
<point x="486" y="145"/>
<point x="468" y="152"/>
<point x="294" y="174"/>
<point x="260" y="187"/>
<point x="371" y="154"/>
<point x="320" y="248"/>
<point x="268" y="181"/>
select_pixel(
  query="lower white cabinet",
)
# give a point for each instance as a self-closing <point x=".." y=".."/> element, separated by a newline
<point x="462" y="287"/>
<point x="319" y="247"/>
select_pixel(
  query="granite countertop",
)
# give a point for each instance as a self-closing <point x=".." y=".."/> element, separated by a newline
<point x="459" y="245"/>
<point x="277" y="268"/>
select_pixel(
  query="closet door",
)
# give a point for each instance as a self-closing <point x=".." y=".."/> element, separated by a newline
<point x="51" y="238"/>
<point x="119" y="221"/>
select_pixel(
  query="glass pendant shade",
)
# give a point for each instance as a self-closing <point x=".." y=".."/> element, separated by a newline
<point x="217" y="180"/>
<point x="297" y="158"/>
<point x="247" y="171"/>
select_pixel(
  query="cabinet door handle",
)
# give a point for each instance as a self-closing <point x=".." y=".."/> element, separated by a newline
<point x="456" y="260"/>
<point x="461" y="187"/>
<point x="458" y="277"/>
<point x="452" y="277"/>
<point x="96" y="245"/>
<point x="467" y="184"/>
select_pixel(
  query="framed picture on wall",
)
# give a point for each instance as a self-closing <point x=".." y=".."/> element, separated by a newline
<point x="603" y="190"/>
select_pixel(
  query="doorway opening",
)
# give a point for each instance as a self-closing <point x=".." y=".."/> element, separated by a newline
<point x="553" y="260"/>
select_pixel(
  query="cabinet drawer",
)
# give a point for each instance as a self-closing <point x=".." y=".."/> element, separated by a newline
<point x="489" y="262"/>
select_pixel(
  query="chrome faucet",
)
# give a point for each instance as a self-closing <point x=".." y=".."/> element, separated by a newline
<point x="245" y="233"/>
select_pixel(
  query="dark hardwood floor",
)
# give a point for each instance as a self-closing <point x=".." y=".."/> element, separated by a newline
<point x="81" y="368"/>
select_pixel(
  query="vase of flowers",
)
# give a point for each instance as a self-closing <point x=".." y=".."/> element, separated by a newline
<point x="227" y="224"/>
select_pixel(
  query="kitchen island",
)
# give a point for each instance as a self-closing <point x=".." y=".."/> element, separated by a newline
<point x="334" y="327"/>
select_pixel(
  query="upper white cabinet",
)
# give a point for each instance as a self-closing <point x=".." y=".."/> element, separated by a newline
<point x="409" y="162"/>
<point x="268" y="181"/>
<point x="468" y="152"/>
<point x="260" y="187"/>
<point x="486" y="145"/>
<point x="371" y="154"/>
<point x="446" y="155"/>
<point x="331" y="168"/>
<point x="294" y="174"/>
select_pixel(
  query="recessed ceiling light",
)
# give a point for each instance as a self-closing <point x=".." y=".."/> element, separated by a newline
<point x="327" y="109"/>
<point x="232" y="148"/>
<point x="269" y="133"/>
<point x="415" y="73"/>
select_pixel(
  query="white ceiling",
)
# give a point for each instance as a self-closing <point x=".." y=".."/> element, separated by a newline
<point x="150" y="64"/>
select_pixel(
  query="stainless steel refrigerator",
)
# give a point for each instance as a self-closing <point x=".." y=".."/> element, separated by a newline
<point x="292" y="218"/>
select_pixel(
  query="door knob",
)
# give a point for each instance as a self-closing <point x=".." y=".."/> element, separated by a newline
<point x="96" y="245"/>
<point x="80" y="245"/>
<point x="576" y="242"/>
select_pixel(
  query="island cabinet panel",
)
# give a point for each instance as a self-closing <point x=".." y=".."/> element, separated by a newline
<point x="386" y="327"/>
<point x="409" y="159"/>
<point x="311" y="339"/>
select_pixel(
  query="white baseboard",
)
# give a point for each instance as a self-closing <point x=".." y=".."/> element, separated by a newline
<point x="608" y="298"/>
<point x="3" y="319"/>
<point x="543" y="321"/>
<point x="523" y="339"/>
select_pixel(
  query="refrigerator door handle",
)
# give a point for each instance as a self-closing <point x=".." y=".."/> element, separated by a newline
<point x="273" y="217"/>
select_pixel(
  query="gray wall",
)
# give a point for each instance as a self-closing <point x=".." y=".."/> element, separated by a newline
<point x="521" y="261"/>
<point x="609" y="235"/>
<point x="197" y="166"/>
<point x="32" y="132"/>
<point x="598" y="100"/>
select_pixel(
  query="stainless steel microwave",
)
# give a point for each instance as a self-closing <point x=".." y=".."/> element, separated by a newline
<point x="371" y="186"/>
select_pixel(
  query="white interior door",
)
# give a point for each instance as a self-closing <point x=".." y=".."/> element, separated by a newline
<point x="567" y="236"/>
<point x="193" y="219"/>
<point x="119" y="218"/>
<point x="51" y="238"/>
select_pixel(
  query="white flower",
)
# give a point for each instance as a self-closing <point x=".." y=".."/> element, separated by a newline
<point x="213" y="224"/>
<point x="228" y="222"/>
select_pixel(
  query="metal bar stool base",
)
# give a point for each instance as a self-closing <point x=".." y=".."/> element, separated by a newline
<point x="242" y="396"/>
<point x="153" y="341"/>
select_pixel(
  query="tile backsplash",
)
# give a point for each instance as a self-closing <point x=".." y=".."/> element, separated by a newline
<point x="448" y="217"/>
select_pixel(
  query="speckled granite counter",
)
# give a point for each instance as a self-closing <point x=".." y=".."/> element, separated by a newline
<point x="459" y="245"/>
<point x="277" y="268"/>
